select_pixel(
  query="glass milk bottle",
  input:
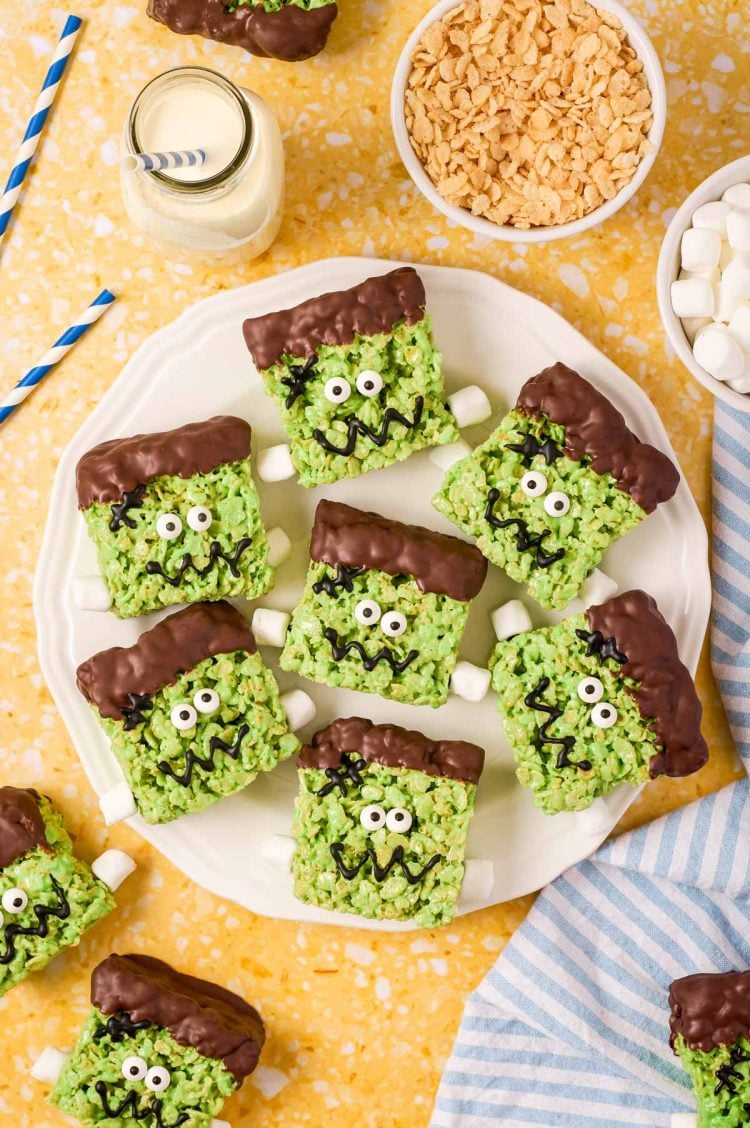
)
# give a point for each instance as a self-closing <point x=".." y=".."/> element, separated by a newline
<point x="230" y="206"/>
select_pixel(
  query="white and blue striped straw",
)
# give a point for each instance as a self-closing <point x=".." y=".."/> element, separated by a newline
<point x="38" y="120"/>
<point x="81" y="325"/>
<point x="155" y="162"/>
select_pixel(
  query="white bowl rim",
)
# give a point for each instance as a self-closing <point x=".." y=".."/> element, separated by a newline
<point x="735" y="172"/>
<point x="461" y="216"/>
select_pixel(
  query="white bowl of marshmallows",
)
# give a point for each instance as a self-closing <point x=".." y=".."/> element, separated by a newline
<point x="703" y="283"/>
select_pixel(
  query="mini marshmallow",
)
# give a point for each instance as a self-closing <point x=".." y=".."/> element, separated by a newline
<point x="470" y="682"/>
<point x="279" y="547"/>
<point x="684" y="1120"/>
<point x="736" y="277"/>
<point x="479" y="877"/>
<point x="726" y="303"/>
<point x="738" y="230"/>
<point x="510" y="619"/>
<point x="739" y="326"/>
<point x="117" y="804"/>
<point x="693" y="326"/>
<point x="446" y="456"/>
<point x="112" y="867"/>
<point x="701" y="249"/>
<point x="90" y="593"/>
<point x="49" y="1065"/>
<point x="278" y="850"/>
<point x="598" y="588"/>
<point x="692" y="297"/>
<point x="270" y="627"/>
<point x="742" y="383"/>
<point x="713" y="216"/>
<point x="299" y="708"/>
<point x="738" y="196"/>
<point x="275" y="463"/>
<point x="469" y="406"/>
<point x="726" y="256"/>
<point x="220" y="1123"/>
<point x="718" y="352"/>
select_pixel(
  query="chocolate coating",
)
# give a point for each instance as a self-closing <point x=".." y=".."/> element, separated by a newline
<point x="21" y="824"/>
<point x="595" y="428"/>
<point x="439" y="563"/>
<point x="215" y="1022"/>
<point x="174" y="645"/>
<point x="666" y="694"/>
<point x="394" y="747"/>
<point x="710" y="1010"/>
<point x="114" y="468"/>
<point x="291" y="34"/>
<point x="373" y="306"/>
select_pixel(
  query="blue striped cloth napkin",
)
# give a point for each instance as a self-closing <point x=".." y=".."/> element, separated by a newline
<point x="570" y="1028"/>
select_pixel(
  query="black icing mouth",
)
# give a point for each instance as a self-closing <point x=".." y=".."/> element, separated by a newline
<point x="380" y="873"/>
<point x="215" y="553"/>
<point x="215" y="744"/>
<point x="525" y="542"/>
<point x="130" y="1104"/>
<point x="356" y="427"/>
<point x="43" y="914"/>
<point x="565" y="743"/>
<point x="385" y="654"/>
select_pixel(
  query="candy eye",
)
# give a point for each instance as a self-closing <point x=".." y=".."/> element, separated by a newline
<point x="157" y="1079"/>
<point x="206" y="701"/>
<point x="134" y="1068"/>
<point x="557" y="504"/>
<point x="183" y="716"/>
<point x="590" y="689"/>
<point x="169" y="526"/>
<point x="14" y="900"/>
<point x="369" y="383"/>
<point x="399" y="820"/>
<point x="337" y="390"/>
<point x="393" y="624"/>
<point x="367" y="612"/>
<point x="533" y="483"/>
<point x="199" y="518"/>
<point x="372" y="817"/>
<point x="604" y="715"/>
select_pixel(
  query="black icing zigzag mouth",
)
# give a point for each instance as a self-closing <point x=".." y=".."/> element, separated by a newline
<point x="356" y="427"/>
<point x="215" y="553"/>
<point x="566" y="743"/>
<point x="43" y="914"/>
<point x="215" y="744"/>
<point x="525" y="541"/>
<point x="130" y="1104"/>
<point x="380" y="873"/>
<point x="340" y="650"/>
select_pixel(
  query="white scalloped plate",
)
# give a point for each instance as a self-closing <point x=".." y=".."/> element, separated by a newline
<point x="489" y="334"/>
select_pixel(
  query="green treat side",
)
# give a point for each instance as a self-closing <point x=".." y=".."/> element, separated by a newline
<point x="230" y="494"/>
<point x="198" y="1085"/>
<point x="35" y="873"/>
<point x="726" y="1069"/>
<point x="435" y="624"/>
<point x="599" y="511"/>
<point x="410" y="367"/>
<point x="442" y="810"/>
<point x="249" y="696"/>
<point x="617" y="755"/>
<point x="277" y="5"/>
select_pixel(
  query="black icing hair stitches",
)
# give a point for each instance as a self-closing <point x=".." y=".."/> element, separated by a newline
<point x="531" y="446"/>
<point x="605" y="648"/>
<point x="348" y="771"/>
<point x="299" y="374"/>
<point x="120" y="1026"/>
<point x="342" y="579"/>
<point x="131" y="499"/>
<point x="132" y="714"/>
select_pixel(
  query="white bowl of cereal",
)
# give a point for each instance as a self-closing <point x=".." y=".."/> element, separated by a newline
<point x="509" y="154"/>
<point x="728" y="327"/>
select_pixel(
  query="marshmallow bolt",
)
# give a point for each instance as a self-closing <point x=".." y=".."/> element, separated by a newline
<point x="113" y="867"/>
<point x="275" y="463"/>
<point x="90" y="593"/>
<point x="279" y="547"/>
<point x="49" y="1065"/>
<point x="117" y="804"/>
<point x="479" y="877"/>
<point x="270" y="627"/>
<point x="446" y="456"/>
<point x="470" y="682"/>
<point x="299" y="708"/>
<point x="277" y="850"/>
<point x="510" y="619"/>
<point x="469" y="406"/>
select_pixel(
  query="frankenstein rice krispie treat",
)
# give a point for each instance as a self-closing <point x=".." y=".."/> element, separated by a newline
<point x="175" y="516"/>
<point x="381" y="821"/>
<point x="159" y="1048"/>
<point x="384" y="606"/>
<point x="598" y="700"/>
<point x="357" y="377"/>
<point x="190" y="709"/>
<point x="560" y="479"/>
<point x="277" y="29"/>
<point x="710" y="1033"/>
<point x="48" y="897"/>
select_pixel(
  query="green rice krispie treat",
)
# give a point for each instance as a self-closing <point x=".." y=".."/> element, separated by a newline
<point x="192" y="712"/>
<point x="560" y="479"/>
<point x="598" y="700"/>
<point x="175" y="516"/>
<point x="159" y="1048"/>
<point x="48" y="897"/>
<point x="381" y="821"/>
<point x="357" y="378"/>
<point x="710" y="1033"/>
<point x="384" y="606"/>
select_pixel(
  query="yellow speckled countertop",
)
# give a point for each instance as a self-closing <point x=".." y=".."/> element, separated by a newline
<point x="359" y="1024"/>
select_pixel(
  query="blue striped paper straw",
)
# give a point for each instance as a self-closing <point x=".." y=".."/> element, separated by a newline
<point x="155" y="162"/>
<point x="25" y="386"/>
